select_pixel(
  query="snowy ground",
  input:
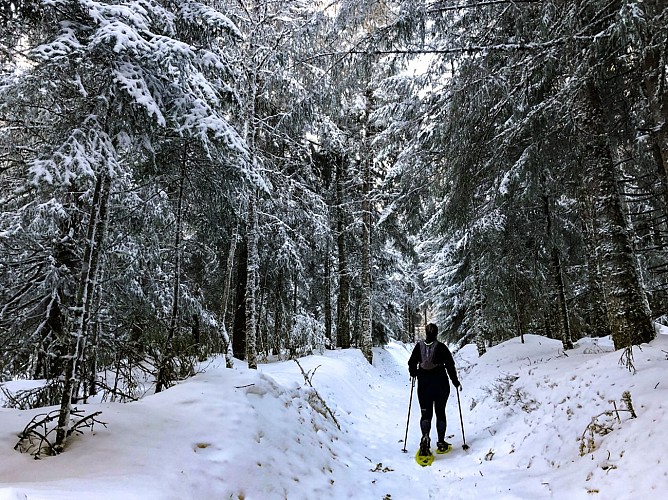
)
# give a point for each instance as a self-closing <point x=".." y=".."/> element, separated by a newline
<point x="263" y="434"/>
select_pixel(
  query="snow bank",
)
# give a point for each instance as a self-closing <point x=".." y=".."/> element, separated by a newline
<point x="224" y="433"/>
<point x="533" y="410"/>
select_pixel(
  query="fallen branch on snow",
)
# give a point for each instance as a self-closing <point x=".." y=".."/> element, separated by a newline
<point x="36" y="436"/>
<point x="308" y="381"/>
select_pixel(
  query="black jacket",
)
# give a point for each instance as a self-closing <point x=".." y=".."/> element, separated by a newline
<point x="442" y="358"/>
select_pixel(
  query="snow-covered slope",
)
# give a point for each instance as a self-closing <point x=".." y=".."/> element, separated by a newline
<point x="529" y="406"/>
<point x="266" y="435"/>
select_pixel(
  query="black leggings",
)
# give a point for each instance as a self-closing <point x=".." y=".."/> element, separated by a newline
<point x="432" y="395"/>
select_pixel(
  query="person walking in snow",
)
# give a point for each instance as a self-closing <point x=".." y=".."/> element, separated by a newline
<point x="431" y="362"/>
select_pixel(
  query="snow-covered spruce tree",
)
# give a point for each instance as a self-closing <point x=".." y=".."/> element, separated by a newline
<point x="414" y="191"/>
<point x="366" y="342"/>
<point x="347" y="138"/>
<point x="298" y="285"/>
<point x="628" y="310"/>
<point x="94" y="74"/>
<point x="174" y="309"/>
<point x="647" y="25"/>
<point x="294" y="238"/>
<point x="515" y="80"/>
<point x="627" y="307"/>
<point x="335" y="144"/>
<point x="274" y="86"/>
<point x="403" y="198"/>
<point x="199" y="195"/>
<point x="526" y="182"/>
<point x="633" y="100"/>
<point x="330" y="157"/>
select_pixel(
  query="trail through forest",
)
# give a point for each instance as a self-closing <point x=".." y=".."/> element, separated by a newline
<point x="540" y="424"/>
<point x="267" y="179"/>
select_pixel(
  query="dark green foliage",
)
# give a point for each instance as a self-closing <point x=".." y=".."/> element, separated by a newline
<point x="518" y="238"/>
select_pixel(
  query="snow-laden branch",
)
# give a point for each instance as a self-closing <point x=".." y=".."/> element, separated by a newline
<point x="436" y="8"/>
<point x="469" y="49"/>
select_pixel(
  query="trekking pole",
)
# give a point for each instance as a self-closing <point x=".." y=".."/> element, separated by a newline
<point x="461" y="419"/>
<point x="410" y="402"/>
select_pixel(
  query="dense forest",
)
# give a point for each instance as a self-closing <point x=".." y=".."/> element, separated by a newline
<point x="264" y="179"/>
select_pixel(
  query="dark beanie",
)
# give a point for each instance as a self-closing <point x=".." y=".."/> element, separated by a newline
<point x="432" y="332"/>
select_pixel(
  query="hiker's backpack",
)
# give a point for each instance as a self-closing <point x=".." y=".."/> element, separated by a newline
<point x="427" y="355"/>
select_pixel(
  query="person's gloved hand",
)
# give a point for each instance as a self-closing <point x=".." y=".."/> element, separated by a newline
<point x="457" y="385"/>
<point x="412" y="371"/>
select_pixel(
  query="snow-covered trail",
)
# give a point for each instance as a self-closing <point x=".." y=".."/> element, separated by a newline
<point x="519" y="447"/>
<point x="371" y="405"/>
<point x="373" y="410"/>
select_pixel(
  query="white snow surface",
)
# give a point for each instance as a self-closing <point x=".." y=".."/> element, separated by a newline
<point x="246" y="434"/>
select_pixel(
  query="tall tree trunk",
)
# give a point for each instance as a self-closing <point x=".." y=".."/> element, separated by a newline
<point x="328" y="298"/>
<point x="76" y="337"/>
<point x="262" y="312"/>
<point x="228" y="274"/>
<point x="518" y="305"/>
<point x="196" y="332"/>
<point x="89" y="353"/>
<point x="251" y="283"/>
<point x="366" y="312"/>
<point x="355" y="326"/>
<point x="278" y="314"/>
<point x="166" y="354"/>
<point x="366" y="336"/>
<point x="239" y="331"/>
<point x="627" y="306"/>
<point x="408" y="323"/>
<point x="563" y="322"/>
<point x="343" y="299"/>
<point x="293" y="317"/>
<point x="479" y="304"/>
<point x="596" y="306"/>
<point x="229" y="355"/>
<point x="249" y="134"/>
<point x="91" y="350"/>
<point x="227" y="344"/>
<point x="598" y="314"/>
